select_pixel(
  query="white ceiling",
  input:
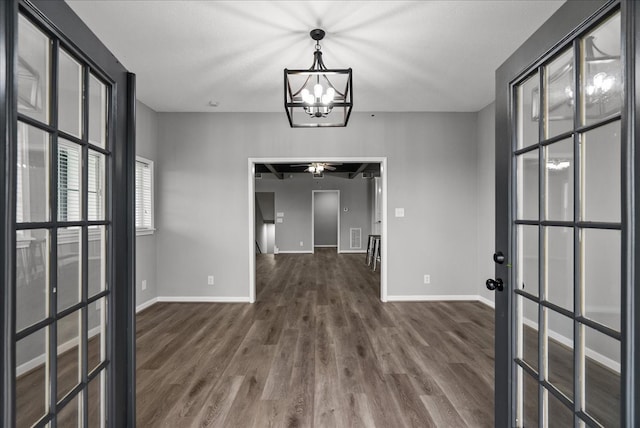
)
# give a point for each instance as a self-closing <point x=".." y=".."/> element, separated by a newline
<point x="405" y="55"/>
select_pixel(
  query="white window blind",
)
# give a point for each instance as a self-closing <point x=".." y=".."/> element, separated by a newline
<point x="95" y="187"/>
<point x="144" y="195"/>
<point x="68" y="181"/>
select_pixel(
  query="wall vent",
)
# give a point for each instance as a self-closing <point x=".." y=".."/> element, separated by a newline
<point x="258" y="176"/>
<point x="355" y="241"/>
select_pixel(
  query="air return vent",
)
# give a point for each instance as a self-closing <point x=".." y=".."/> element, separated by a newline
<point x="355" y="241"/>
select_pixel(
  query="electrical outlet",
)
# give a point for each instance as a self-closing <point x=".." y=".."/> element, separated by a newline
<point x="427" y="279"/>
<point x="210" y="280"/>
<point x="302" y="243"/>
<point x="144" y="284"/>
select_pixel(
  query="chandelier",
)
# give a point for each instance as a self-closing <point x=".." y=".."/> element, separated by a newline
<point x="319" y="96"/>
<point x="601" y="86"/>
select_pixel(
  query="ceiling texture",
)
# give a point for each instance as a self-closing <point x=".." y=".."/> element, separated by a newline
<point x="406" y="56"/>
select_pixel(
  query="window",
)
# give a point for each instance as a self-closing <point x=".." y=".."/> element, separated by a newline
<point x="68" y="181"/>
<point x="144" y="196"/>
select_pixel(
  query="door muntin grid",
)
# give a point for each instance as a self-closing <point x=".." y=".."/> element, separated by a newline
<point x="567" y="190"/>
<point x="63" y="232"/>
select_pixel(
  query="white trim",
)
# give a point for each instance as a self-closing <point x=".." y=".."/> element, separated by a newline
<point x="295" y="252"/>
<point x="252" y="230"/>
<point x="204" y="299"/>
<point x="313" y="220"/>
<point x="142" y="231"/>
<point x="487" y="302"/>
<point x="433" y="298"/>
<point x="41" y="359"/>
<point x="251" y="221"/>
<point x="145" y="305"/>
<point x="353" y="251"/>
<point x="383" y="233"/>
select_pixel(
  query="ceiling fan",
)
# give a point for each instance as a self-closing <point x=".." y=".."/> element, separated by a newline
<point x="318" y="167"/>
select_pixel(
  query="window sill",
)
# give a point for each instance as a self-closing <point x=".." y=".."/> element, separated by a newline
<point x="143" y="232"/>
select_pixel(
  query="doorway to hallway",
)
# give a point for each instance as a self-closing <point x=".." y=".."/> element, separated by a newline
<point x="353" y="238"/>
<point x="325" y="220"/>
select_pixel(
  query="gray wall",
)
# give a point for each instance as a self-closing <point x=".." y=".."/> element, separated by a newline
<point x="147" y="147"/>
<point x="485" y="191"/>
<point x="202" y="200"/>
<point x="325" y="218"/>
<point x="293" y="199"/>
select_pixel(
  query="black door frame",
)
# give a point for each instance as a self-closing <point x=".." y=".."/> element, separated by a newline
<point x="60" y="18"/>
<point x="569" y="19"/>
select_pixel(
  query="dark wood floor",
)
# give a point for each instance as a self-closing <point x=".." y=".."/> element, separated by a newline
<point x="317" y="349"/>
<point x="320" y="349"/>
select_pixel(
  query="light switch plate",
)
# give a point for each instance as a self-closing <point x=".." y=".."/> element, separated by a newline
<point x="279" y="220"/>
<point x="279" y="214"/>
<point x="399" y="212"/>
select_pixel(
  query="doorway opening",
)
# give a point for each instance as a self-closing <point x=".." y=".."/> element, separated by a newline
<point x="325" y="219"/>
<point x="269" y="168"/>
<point x="265" y="218"/>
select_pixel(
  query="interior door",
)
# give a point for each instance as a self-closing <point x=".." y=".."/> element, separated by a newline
<point x="67" y="289"/>
<point x="564" y="215"/>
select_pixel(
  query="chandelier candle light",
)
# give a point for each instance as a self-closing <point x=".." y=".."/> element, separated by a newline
<point x="318" y="97"/>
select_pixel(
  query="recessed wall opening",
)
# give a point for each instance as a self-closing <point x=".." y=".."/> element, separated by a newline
<point x="321" y="206"/>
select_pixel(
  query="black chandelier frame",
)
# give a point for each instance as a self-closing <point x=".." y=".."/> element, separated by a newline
<point x="293" y="100"/>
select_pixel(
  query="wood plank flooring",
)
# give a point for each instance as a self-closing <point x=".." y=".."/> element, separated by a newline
<point x="317" y="349"/>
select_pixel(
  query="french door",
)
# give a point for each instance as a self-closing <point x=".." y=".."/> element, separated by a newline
<point x="65" y="217"/>
<point x="565" y="322"/>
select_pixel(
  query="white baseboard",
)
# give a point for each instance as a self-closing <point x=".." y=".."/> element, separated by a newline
<point x="145" y="305"/>
<point x="487" y="302"/>
<point x="353" y="251"/>
<point x="41" y="359"/>
<point x="203" y="299"/>
<point x="296" y="252"/>
<point x="432" y="298"/>
<point x="325" y="246"/>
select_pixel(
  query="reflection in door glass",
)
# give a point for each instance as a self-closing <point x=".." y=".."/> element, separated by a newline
<point x="601" y="174"/>
<point x="601" y="72"/>
<point x="32" y="277"/>
<point x="602" y="266"/>
<point x="527" y="273"/>
<point x="34" y="74"/>
<point x="560" y="352"/>
<point x="559" y="92"/>
<point x="528" y="332"/>
<point x="527" y="176"/>
<point x="32" y="175"/>
<point x="32" y="378"/>
<point x="528" y="96"/>
<point x="559" y="266"/>
<point x="559" y="180"/>
<point x="602" y="377"/>
<point x="70" y="95"/>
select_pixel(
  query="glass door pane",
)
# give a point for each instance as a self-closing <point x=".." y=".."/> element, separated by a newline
<point x="62" y="184"/>
<point x="568" y="255"/>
